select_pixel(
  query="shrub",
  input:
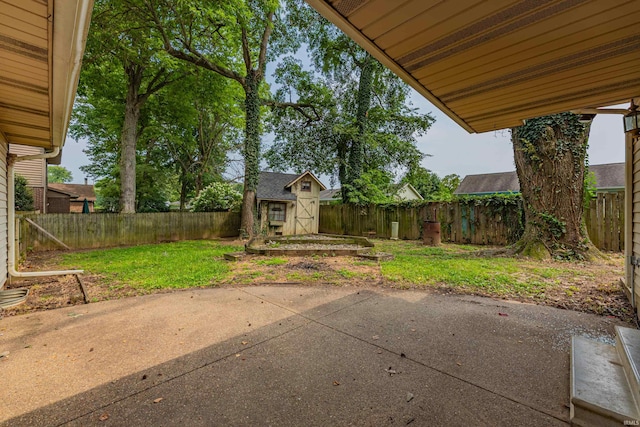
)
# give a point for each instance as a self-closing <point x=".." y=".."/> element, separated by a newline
<point x="219" y="196"/>
<point x="24" y="195"/>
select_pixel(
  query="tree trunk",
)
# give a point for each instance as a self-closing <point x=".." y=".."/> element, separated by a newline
<point x="251" y="154"/>
<point x="356" y="152"/>
<point x="549" y="153"/>
<point x="128" y="142"/>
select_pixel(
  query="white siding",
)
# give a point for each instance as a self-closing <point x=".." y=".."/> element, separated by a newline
<point x="34" y="170"/>
<point x="3" y="213"/>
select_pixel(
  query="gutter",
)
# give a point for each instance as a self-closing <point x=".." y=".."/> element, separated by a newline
<point x="11" y="220"/>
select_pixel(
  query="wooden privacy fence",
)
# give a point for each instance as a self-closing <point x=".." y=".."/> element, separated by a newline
<point x="459" y="222"/>
<point x="605" y="221"/>
<point x="86" y="231"/>
<point x="469" y="223"/>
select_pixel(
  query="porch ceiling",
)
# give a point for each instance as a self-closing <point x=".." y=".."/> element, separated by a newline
<point x="490" y="64"/>
<point x="41" y="45"/>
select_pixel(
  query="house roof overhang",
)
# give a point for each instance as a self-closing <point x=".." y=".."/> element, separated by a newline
<point x="490" y="65"/>
<point x="41" y="48"/>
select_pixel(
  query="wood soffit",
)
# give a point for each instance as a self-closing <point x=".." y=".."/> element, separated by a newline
<point x="489" y="65"/>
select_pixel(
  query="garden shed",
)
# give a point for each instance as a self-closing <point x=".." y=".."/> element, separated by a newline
<point x="288" y="203"/>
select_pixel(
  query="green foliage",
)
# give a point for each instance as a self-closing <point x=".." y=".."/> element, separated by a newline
<point x="372" y="187"/>
<point x="589" y="188"/>
<point x="359" y="118"/>
<point x="217" y="196"/>
<point x="430" y="185"/>
<point x="23" y="194"/>
<point x="58" y="174"/>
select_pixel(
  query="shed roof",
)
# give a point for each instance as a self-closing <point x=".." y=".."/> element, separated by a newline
<point x="490" y="64"/>
<point x="274" y="186"/>
<point x="331" y="194"/>
<point x="608" y="176"/>
<point x="81" y="191"/>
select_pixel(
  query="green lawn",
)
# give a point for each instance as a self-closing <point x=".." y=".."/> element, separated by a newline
<point x="167" y="265"/>
<point x="458" y="266"/>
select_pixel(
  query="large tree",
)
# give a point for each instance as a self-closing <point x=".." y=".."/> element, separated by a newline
<point x="121" y="65"/>
<point x="550" y="156"/>
<point x="362" y="120"/>
<point x="197" y="123"/>
<point x="235" y="39"/>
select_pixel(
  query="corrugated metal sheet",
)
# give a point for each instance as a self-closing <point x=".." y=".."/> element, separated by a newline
<point x="490" y="64"/>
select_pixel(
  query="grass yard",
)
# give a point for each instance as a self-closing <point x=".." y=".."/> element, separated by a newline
<point x="123" y="272"/>
<point x="169" y="265"/>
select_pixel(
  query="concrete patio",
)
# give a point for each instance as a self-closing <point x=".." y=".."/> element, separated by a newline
<point x="292" y="356"/>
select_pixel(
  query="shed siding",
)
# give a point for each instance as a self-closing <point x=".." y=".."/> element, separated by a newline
<point x="4" y="148"/>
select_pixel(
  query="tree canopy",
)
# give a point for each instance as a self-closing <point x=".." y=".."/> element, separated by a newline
<point x="58" y="174"/>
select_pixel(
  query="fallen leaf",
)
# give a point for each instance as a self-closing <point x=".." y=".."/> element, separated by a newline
<point x="245" y="342"/>
<point x="503" y="314"/>
<point x="336" y="383"/>
<point x="458" y="363"/>
<point x="158" y="400"/>
<point x="413" y="330"/>
<point x="375" y="337"/>
<point x="104" y="417"/>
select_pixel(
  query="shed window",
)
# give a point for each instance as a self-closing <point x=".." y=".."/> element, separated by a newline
<point x="277" y="211"/>
<point x="305" y="186"/>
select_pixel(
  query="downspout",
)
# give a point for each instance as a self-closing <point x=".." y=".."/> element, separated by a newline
<point x="11" y="219"/>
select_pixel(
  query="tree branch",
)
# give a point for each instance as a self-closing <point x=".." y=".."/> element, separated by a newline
<point x="262" y="57"/>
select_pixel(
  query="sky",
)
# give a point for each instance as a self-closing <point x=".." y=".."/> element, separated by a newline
<point x="453" y="150"/>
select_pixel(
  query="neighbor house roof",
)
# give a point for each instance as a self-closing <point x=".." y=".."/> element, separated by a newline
<point x="490" y="64"/>
<point x="608" y="176"/>
<point x="331" y="194"/>
<point x="277" y="186"/>
<point x="80" y="190"/>
<point x="41" y="47"/>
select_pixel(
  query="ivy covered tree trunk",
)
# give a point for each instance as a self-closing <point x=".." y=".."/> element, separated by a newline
<point x="251" y="152"/>
<point x="128" y="142"/>
<point x="550" y="153"/>
<point x="356" y="151"/>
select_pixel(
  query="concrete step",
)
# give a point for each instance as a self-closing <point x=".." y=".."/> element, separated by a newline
<point x="600" y="393"/>
<point x="628" y="346"/>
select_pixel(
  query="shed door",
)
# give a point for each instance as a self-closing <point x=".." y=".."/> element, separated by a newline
<point x="306" y="216"/>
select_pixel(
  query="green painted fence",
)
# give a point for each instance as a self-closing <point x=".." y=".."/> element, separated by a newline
<point x="87" y="231"/>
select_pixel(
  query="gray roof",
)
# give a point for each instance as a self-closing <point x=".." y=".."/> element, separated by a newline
<point x="332" y="194"/>
<point x="608" y="176"/>
<point x="272" y="186"/>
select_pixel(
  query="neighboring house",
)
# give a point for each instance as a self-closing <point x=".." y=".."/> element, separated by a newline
<point x="59" y="201"/>
<point x="35" y="172"/>
<point x="288" y="203"/>
<point x="400" y="192"/>
<point x="78" y="193"/>
<point x="609" y="177"/>
<point x="330" y="196"/>
<point x="405" y="192"/>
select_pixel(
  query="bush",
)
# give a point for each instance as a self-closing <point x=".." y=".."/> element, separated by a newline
<point x="24" y="195"/>
<point x="219" y="196"/>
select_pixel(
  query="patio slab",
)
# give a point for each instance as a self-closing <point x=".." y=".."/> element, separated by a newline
<point x="291" y="356"/>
